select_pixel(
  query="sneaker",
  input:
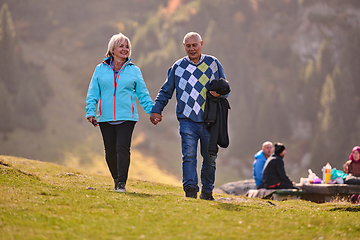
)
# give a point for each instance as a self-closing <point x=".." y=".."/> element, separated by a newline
<point x="191" y="192"/>
<point x="120" y="187"/>
<point x="207" y="196"/>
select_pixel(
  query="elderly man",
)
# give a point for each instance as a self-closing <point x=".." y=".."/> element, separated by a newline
<point x="190" y="76"/>
<point x="259" y="162"/>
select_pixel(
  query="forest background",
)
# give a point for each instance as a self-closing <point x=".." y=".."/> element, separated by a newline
<point x="293" y="67"/>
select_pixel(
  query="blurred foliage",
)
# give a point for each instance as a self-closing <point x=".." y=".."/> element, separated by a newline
<point x="23" y="88"/>
<point x="274" y="91"/>
<point x="293" y="65"/>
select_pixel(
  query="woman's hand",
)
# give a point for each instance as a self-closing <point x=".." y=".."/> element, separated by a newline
<point x="93" y="121"/>
<point x="346" y="167"/>
<point x="155" y="118"/>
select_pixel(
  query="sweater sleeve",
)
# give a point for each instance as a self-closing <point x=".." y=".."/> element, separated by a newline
<point x="165" y="92"/>
<point x="221" y="74"/>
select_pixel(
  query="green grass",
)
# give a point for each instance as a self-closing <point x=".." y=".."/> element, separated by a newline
<point x="41" y="200"/>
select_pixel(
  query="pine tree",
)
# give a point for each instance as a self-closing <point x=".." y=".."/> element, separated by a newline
<point x="8" y="66"/>
<point x="23" y="91"/>
<point x="7" y="89"/>
<point x="6" y="117"/>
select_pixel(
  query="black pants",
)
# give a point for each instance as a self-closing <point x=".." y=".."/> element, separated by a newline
<point x="117" y="142"/>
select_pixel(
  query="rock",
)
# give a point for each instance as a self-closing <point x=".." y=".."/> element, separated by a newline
<point x="238" y="188"/>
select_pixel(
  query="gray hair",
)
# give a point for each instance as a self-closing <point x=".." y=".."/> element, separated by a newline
<point x="116" y="40"/>
<point x="190" y="34"/>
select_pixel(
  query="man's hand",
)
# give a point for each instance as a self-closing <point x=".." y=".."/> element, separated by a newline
<point x="155" y="118"/>
<point x="215" y="94"/>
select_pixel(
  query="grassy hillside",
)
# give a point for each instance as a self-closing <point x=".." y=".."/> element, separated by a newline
<point x="142" y="167"/>
<point x="42" y="200"/>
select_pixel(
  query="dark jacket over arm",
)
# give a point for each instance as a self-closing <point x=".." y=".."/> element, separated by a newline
<point x="216" y="115"/>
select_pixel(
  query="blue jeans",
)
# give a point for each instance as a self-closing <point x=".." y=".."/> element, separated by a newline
<point x="191" y="132"/>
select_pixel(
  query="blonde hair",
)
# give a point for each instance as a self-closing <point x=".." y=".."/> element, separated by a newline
<point x="116" y="40"/>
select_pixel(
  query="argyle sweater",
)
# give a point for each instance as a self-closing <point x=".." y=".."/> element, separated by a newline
<point x="191" y="83"/>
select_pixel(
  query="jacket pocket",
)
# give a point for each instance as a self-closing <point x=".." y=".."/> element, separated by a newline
<point x="132" y="106"/>
<point x="100" y="107"/>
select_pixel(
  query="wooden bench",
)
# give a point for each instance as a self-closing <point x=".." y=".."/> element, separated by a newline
<point x="321" y="193"/>
<point x="275" y="194"/>
<point x="318" y="193"/>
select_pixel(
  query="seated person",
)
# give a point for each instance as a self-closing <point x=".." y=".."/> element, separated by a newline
<point x="274" y="175"/>
<point x="259" y="162"/>
<point x="352" y="167"/>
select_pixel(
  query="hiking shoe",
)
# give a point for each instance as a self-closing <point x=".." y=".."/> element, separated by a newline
<point x="120" y="187"/>
<point x="191" y="192"/>
<point x="207" y="196"/>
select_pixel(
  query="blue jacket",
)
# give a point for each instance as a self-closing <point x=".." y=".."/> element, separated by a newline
<point x="258" y="167"/>
<point x="191" y="83"/>
<point x="115" y="98"/>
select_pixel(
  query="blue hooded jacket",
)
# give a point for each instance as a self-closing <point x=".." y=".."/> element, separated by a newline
<point x="114" y="99"/>
<point x="258" y="167"/>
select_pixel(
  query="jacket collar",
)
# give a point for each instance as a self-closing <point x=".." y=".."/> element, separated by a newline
<point x="107" y="61"/>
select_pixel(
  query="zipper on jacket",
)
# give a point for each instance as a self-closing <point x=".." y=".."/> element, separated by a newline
<point x="118" y="76"/>
<point x="116" y="82"/>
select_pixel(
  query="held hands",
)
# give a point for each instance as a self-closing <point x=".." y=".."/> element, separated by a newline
<point x="93" y="121"/>
<point x="155" y="118"/>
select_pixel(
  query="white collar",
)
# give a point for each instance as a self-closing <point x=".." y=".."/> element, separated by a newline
<point x="200" y="60"/>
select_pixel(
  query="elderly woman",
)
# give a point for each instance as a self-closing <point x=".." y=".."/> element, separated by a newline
<point x="352" y="167"/>
<point x="112" y="93"/>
